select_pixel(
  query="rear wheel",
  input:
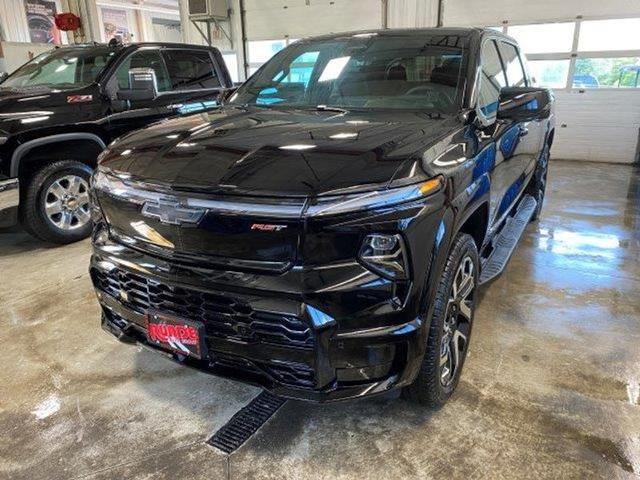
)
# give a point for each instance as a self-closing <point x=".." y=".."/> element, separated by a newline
<point x="450" y="330"/>
<point x="55" y="205"/>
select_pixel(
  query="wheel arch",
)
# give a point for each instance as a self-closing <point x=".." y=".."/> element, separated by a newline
<point x="476" y="223"/>
<point x="65" y="140"/>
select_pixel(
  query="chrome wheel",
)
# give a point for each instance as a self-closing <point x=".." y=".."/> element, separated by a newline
<point x="457" y="321"/>
<point x="66" y="202"/>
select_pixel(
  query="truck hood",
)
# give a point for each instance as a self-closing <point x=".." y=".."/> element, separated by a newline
<point x="273" y="152"/>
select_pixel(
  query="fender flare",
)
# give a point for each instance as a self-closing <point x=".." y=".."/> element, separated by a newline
<point x="24" y="148"/>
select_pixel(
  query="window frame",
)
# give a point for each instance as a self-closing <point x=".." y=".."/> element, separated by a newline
<point x="575" y="53"/>
<point x="111" y="82"/>
<point x="525" y="71"/>
<point x="486" y="120"/>
<point x="215" y="65"/>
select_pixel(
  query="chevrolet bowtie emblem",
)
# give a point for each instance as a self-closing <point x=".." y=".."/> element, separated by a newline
<point x="172" y="212"/>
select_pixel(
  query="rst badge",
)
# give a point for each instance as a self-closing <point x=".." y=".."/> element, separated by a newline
<point x="172" y="212"/>
<point x="267" y="227"/>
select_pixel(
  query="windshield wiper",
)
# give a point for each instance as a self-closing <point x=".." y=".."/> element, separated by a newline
<point x="326" y="108"/>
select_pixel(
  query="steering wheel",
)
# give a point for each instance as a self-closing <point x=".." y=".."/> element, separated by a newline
<point x="432" y="94"/>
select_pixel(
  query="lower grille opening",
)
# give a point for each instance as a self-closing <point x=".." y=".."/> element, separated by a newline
<point x="224" y="316"/>
<point x="288" y="373"/>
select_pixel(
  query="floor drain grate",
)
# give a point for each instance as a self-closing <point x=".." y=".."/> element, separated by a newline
<point x="246" y="422"/>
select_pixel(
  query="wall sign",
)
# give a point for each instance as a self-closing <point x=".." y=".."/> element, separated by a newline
<point x="115" y="24"/>
<point x="40" y="17"/>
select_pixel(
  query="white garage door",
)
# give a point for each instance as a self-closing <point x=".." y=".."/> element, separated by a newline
<point x="592" y="61"/>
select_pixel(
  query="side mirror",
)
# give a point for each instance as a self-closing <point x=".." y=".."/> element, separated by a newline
<point x="143" y="85"/>
<point x="525" y="103"/>
<point x="226" y="94"/>
<point x="3" y="76"/>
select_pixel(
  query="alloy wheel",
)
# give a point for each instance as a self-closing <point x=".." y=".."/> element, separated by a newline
<point x="457" y="322"/>
<point x="66" y="203"/>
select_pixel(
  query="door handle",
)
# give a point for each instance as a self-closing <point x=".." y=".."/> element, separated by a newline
<point x="523" y="131"/>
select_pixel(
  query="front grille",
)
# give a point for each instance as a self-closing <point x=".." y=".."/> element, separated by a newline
<point x="223" y="316"/>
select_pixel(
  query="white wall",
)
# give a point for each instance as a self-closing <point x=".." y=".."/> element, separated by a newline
<point x="17" y="53"/>
<point x="275" y="19"/>
<point x="597" y="125"/>
<point x="412" y="13"/>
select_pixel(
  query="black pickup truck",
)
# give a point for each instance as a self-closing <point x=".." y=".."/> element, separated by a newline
<point x="60" y="110"/>
<point x="324" y="233"/>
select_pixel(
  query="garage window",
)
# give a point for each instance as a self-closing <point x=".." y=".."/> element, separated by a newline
<point x="601" y="35"/>
<point x="544" y="38"/>
<point x="550" y="73"/>
<point x="582" y="54"/>
<point x="621" y="72"/>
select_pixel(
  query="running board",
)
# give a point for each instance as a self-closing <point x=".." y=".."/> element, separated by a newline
<point x="507" y="239"/>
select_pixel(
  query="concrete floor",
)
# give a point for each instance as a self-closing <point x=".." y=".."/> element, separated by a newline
<point x="551" y="388"/>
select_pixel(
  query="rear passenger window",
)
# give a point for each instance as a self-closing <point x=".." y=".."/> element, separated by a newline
<point x="190" y="70"/>
<point x="511" y="59"/>
<point x="144" y="59"/>
<point x="492" y="79"/>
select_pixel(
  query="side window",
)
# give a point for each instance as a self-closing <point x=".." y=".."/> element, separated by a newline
<point x="511" y="59"/>
<point x="144" y="59"/>
<point x="190" y="69"/>
<point x="492" y="79"/>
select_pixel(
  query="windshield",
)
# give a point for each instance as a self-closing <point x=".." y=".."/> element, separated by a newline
<point x="62" y="68"/>
<point x="363" y="71"/>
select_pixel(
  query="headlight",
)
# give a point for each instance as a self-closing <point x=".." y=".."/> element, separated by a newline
<point x="3" y="140"/>
<point x="106" y="182"/>
<point x="386" y="255"/>
<point x="334" y="205"/>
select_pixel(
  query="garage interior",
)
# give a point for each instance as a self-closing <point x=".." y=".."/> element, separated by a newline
<point x="551" y="387"/>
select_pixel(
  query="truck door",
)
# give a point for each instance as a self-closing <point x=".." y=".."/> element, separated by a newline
<point x="187" y="81"/>
<point x="494" y="134"/>
<point x="521" y="141"/>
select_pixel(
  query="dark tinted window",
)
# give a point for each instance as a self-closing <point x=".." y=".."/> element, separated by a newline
<point x="144" y="59"/>
<point x="190" y="70"/>
<point x="492" y="79"/>
<point x="511" y="59"/>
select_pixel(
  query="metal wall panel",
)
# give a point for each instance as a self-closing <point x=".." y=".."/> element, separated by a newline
<point x="597" y="125"/>
<point x="412" y="13"/>
<point x="275" y="19"/>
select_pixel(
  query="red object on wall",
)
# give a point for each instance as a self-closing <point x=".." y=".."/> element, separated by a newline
<point x="67" y="21"/>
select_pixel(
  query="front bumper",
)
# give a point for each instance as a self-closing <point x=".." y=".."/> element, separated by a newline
<point x="9" y="201"/>
<point x="284" y="340"/>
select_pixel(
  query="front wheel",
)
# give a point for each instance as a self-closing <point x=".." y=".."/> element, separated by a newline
<point x="55" y="206"/>
<point x="450" y="331"/>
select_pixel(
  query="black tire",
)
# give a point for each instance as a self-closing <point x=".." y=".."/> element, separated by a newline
<point x="33" y="213"/>
<point x="429" y="388"/>
<point x="538" y="185"/>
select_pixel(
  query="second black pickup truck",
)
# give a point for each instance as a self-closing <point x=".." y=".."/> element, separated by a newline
<point x="60" y="110"/>
<point x="324" y="233"/>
